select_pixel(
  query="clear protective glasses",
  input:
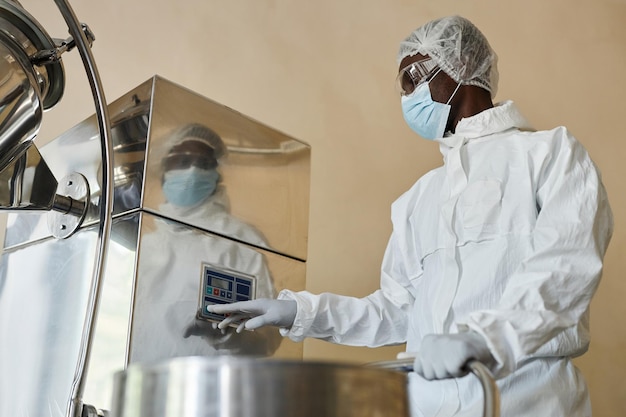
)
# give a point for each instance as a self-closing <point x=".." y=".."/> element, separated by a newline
<point x="190" y="153"/>
<point x="415" y="74"/>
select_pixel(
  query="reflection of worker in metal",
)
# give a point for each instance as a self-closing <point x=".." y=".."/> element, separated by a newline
<point x="494" y="256"/>
<point x="165" y="323"/>
<point x="192" y="184"/>
<point x="190" y="173"/>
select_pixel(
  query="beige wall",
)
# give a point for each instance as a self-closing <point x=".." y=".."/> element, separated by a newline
<point x="323" y="72"/>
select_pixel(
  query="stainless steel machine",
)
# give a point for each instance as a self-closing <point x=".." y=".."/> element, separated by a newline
<point x="251" y="224"/>
<point x="125" y="227"/>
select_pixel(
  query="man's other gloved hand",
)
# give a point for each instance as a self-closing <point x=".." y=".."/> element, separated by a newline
<point x="197" y="327"/>
<point x="257" y="313"/>
<point x="445" y="356"/>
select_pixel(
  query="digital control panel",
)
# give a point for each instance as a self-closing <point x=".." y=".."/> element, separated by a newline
<point x="223" y="286"/>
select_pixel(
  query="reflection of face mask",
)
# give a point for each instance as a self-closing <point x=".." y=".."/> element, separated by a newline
<point x="428" y="118"/>
<point x="188" y="187"/>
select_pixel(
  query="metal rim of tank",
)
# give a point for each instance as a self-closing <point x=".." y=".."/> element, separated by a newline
<point x="341" y="389"/>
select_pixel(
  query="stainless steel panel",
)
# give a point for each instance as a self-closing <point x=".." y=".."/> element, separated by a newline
<point x="43" y="295"/>
<point x="169" y="269"/>
<point x="265" y="172"/>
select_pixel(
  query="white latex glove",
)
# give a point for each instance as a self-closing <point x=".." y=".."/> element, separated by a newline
<point x="445" y="356"/>
<point x="257" y="313"/>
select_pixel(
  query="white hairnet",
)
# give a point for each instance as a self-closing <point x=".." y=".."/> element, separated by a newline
<point x="200" y="133"/>
<point x="458" y="48"/>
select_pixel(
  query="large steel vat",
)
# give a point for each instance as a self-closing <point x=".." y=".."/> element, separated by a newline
<point x="247" y="387"/>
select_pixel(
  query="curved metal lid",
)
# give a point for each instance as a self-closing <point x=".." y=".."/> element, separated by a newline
<point x="13" y="13"/>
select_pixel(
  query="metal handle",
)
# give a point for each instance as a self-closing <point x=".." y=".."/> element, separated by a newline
<point x="83" y="44"/>
<point x="491" y="394"/>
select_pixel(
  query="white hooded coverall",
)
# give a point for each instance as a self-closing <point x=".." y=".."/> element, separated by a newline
<point x="506" y="239"/>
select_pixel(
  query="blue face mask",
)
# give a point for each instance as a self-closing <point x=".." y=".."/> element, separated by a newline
<point x="188" y="187"/>
<point x="427" y="118"/>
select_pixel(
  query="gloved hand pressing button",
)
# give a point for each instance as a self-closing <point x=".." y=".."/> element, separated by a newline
<point x="257" y="313"/>
<point x="445" y="356"/>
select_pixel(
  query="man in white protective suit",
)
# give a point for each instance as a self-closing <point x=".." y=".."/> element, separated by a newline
<point x="494" y="256"/>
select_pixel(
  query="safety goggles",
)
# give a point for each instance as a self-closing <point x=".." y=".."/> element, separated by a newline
<point x="190" y="153"/>
<point x="187" y="160"/>
<point x="415" y="74"/>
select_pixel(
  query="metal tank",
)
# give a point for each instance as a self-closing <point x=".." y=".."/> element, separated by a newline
<point x="247" y="220"/>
